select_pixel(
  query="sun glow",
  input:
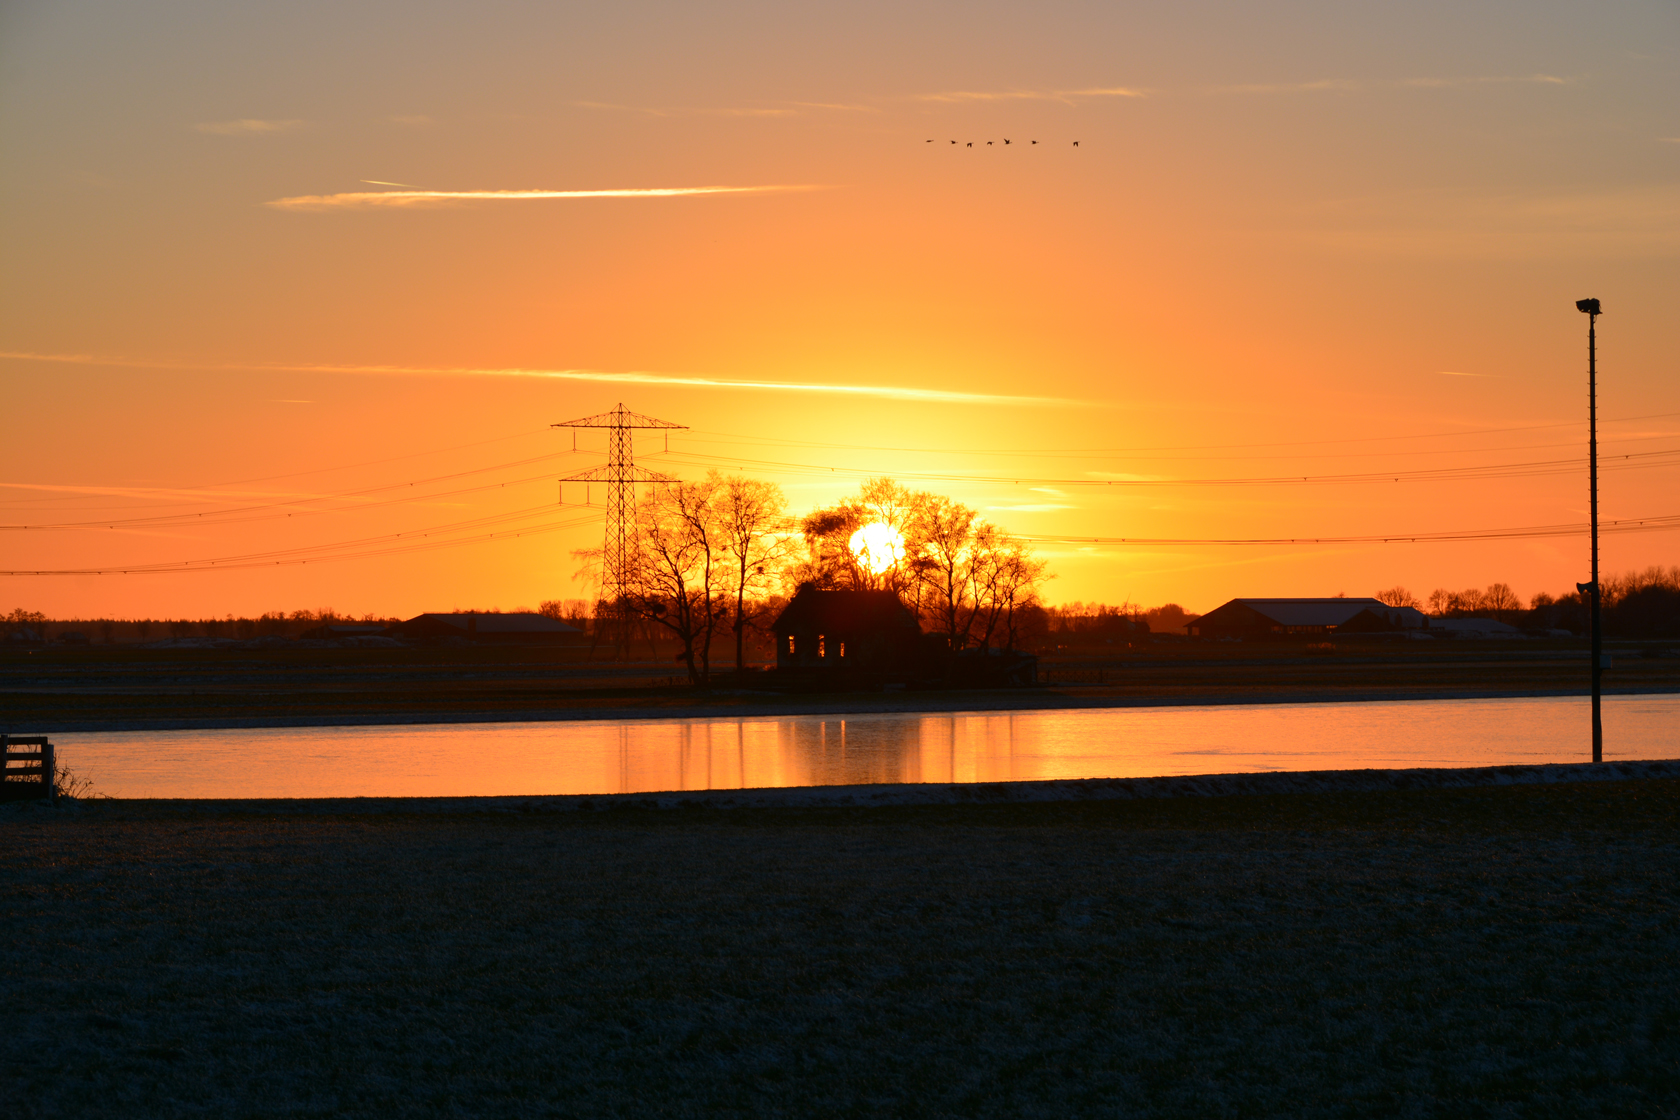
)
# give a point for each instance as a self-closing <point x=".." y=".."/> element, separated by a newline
<point x="878" y="546"/>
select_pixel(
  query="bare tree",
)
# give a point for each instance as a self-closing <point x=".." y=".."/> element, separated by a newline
<point x="942" y="532"/>
<point x="750" y="522"/>
<point x="1397" y="597"/>
<point x="678" y="567"/>
<point x="1499" y="598"/>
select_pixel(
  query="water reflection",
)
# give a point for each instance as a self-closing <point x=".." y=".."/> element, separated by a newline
<point x="639" y="756"/>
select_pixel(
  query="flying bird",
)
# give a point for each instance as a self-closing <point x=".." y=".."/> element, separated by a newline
<point x="1035" y="141"/>
<point x="930" y="141"/>
<point x="1076" y="143"/>
<point x="971" y="143"/>
<point x="953" y="141"/>
<point x="1006" y="139"/>
<point x="988" y="143"/>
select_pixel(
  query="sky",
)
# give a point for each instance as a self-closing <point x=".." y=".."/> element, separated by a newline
<point x="299" y="289"/>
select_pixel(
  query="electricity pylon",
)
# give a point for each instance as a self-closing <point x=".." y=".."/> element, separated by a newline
<point x="617" y="556"/>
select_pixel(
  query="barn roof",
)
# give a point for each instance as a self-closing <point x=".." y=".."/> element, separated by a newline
<point x="1302" y="612"/>
<point x="813" y="608"/>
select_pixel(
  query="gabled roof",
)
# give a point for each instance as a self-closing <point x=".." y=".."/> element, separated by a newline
<point x="522" y="623"/>
<point x="844" y="610"/>
<point x="1299" y="612"/>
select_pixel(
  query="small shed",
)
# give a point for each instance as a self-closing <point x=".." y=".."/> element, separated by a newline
<point x="857" y="631"/>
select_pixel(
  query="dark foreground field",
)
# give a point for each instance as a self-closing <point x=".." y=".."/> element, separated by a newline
<point x="1492" y="952"/>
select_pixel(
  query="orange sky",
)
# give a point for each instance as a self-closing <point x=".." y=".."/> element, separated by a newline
<point x="1294" y="241"/>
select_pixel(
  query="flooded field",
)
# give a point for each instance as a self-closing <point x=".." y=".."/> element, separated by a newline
<point x="628" y="756"/>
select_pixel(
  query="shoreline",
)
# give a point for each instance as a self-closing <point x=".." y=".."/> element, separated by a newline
<point x="898" y="704"/>
<point x="911" y="795"/>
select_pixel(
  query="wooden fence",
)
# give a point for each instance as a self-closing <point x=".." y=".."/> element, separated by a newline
<point x="28" y="767"/>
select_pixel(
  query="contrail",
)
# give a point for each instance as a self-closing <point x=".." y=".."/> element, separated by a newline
<point x="634" y="377"/>
<point x="418" y="198"/>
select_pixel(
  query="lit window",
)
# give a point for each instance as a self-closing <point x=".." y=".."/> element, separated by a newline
<point x="790" y="643"/>
<point x="842" y="649"/>
<point x="821" y="650"/>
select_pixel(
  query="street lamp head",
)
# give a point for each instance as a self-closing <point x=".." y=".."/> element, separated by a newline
<point x="1588" y="306"/>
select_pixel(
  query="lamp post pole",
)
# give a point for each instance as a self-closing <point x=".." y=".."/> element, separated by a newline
<point x="1591" y="308"/>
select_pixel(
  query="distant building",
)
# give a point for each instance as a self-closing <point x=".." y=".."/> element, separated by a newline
<point x="1473" y="628"/>
<point x="1254" y="619"/>
<point x="487" y="629"/>
<point x="869" y="632"/>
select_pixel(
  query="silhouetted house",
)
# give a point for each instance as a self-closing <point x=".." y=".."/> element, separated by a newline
<point x="851" y="632"/>
<point x="1253" y="619"/>
<point x="488" y="629"/>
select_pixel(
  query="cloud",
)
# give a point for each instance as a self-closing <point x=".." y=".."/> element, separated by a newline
<point x="632" y="377"/>
<point x="687" y="111"/>
<point x="1460" y="373"/>
<point x="246" y="127"/>
<point x="1502" y="80"/>
<point x="1319" y="86"/>
<point x="383" y="183"/>
<point x="412" y="199"/>
<point x="1066" y="96"/>
<point x="1343" y="85"/>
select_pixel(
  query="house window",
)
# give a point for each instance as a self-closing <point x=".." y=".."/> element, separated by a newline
<point x="821" y="649"/>
<point x="842" y="649"/>
<point x="790" y="645"/>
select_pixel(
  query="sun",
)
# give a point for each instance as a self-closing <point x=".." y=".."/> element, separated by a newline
<point x="877" y="546"/>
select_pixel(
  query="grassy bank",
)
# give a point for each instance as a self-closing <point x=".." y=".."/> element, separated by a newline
<point x="1506" y="951"/>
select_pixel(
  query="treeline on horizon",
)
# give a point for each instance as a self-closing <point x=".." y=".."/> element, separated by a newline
<point x="1642" y="604"/>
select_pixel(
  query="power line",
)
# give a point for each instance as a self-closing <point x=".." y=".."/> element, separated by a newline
<point x="1663" y="523"/>
<point x="1100" y="451"/>
<point x="1531" y="469"/>
<point x="420" y="540"/>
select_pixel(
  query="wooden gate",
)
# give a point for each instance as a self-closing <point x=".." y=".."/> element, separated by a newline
<point x="28" y="766"/>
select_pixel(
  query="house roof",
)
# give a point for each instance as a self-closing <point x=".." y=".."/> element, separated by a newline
<point x="844" y="610"/>
<point x="521" y="623"/>
<point x="1298" y="612"/>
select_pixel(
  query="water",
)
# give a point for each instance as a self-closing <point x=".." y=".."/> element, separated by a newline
<point x="435" y="760"/>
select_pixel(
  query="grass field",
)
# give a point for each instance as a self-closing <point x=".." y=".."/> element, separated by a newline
<point x="1491" y="952"/>
<point x="114" y="687"/>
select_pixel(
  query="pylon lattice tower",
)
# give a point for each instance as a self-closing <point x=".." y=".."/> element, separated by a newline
<point x="618" y="551"/>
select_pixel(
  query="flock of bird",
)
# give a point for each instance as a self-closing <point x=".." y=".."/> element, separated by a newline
<point x="989" y="143"/>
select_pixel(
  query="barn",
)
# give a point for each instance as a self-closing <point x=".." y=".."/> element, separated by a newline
<point x="1275" y="619"/>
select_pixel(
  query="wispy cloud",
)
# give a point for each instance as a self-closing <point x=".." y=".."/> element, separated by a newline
<point x="383" y="183"/>
<point x="412" y="199"/>
<point x="1344" y="85"/>
<point x="632" y="377"/>
<point x="695" y="111"/>
<point x="1461" y="373"/>
<point x="1320" y="86"/>
<point x="1496" y="80"/>
<point x="247" y="127"/>
<point x="1066" y="96"/>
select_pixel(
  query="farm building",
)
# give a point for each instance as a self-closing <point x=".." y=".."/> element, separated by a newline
<point x="488" y="629"/>
<point x="855" y="631"/>
<point x="1253" y="619"/>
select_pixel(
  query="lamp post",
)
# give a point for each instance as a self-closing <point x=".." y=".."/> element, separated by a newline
<point x="1590" y="308"/>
